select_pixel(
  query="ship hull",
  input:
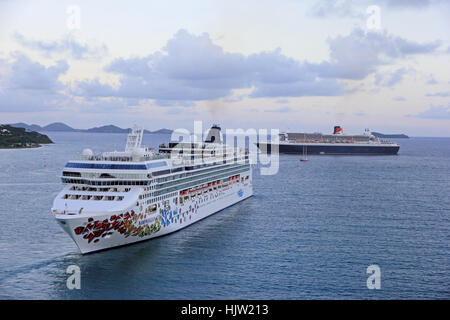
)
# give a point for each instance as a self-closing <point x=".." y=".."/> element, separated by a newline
<point x="330" y="149"/>
<point x="103" y="231"/>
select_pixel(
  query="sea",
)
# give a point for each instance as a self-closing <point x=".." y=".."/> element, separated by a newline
<point x="313" y="230"/>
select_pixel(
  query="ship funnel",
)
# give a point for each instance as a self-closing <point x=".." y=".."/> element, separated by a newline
<point x="214" y="135"/>
<point x="338" y="130"/>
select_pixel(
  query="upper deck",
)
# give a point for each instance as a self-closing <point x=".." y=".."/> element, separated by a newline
<point x="138" y="165"/>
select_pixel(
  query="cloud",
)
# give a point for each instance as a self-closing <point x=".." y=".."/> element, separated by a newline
<point x="338" y="8"/>
<point x="29" y="75"/>
<point x="29" y="86"/>
<point x="358" y="54"/>
<point x="173" y="103"/>
<point x="390" y="79"/>
<point x="431" y="79"/>
<point x="438" y="94"/>
<point x="413" y="4"/>
<point x="281" y="110"/>
<point x="174" y="111"/>
<point x="321" y="87"/>
<point x="68" y="45"/>
<point x="357" y="9"/>
<point x="234" y="99"/>
<point x="193" y="68"/>
<point x="26" y="85"/>
<point x="435" y="112"/>
<point x="399" y="99"/>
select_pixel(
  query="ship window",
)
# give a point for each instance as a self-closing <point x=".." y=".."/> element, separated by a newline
<point x="157" y="164"/>
<point x="106" y="175"/>
<point x="71" y="174"/>
<point x="159" y="173"/>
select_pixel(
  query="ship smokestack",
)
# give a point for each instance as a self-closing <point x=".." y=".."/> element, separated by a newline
<point x="214" y="135"/>
<point x="338" y="130"/>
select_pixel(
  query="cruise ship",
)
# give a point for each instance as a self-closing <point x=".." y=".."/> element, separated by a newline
<point x="337" y="143"/>
<point x="118" y="198"/>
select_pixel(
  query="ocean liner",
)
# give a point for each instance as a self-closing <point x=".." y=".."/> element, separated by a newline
<point x="337" y="143"/>
<point x="118" y="198"/>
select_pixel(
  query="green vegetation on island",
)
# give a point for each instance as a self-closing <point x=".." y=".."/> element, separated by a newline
<point x="12" y="137"/>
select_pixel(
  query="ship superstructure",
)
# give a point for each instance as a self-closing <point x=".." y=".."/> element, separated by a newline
<point x="118" y="198"/>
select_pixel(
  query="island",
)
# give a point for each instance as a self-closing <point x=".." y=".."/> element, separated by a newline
<point x="62" y="127"/>
<point x="12" y="138"/>
<point x="390" y="136"/>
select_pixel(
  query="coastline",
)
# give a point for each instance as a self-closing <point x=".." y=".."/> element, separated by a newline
<point x="24" y="147"/>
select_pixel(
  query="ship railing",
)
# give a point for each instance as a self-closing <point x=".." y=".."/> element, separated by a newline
<point x="124" y="159"/>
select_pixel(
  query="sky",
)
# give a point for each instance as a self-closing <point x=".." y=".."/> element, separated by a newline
<point x="284" y="64"/>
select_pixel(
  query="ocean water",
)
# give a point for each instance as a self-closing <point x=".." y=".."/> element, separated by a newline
<point x="309" y="232"/>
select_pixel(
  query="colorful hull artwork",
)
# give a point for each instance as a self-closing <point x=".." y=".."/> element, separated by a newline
<point x="102" y="231"/>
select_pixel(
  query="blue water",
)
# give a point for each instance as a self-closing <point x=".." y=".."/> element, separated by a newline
<point x="309" y="232"/>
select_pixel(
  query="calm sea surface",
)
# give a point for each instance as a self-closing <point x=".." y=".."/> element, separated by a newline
<point x="309" y="232"/>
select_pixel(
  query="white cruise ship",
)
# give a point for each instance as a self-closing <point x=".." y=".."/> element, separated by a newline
<point x="118" y="198"/>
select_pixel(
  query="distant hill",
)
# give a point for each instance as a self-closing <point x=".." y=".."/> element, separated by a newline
<point x="62" y="127"/>
<point x="108" y="129"/>
<point x="14" y="137"/>
<point x="390" y="136"/>
<point x="162" y="131"/>
<point x="58" y="126"/>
